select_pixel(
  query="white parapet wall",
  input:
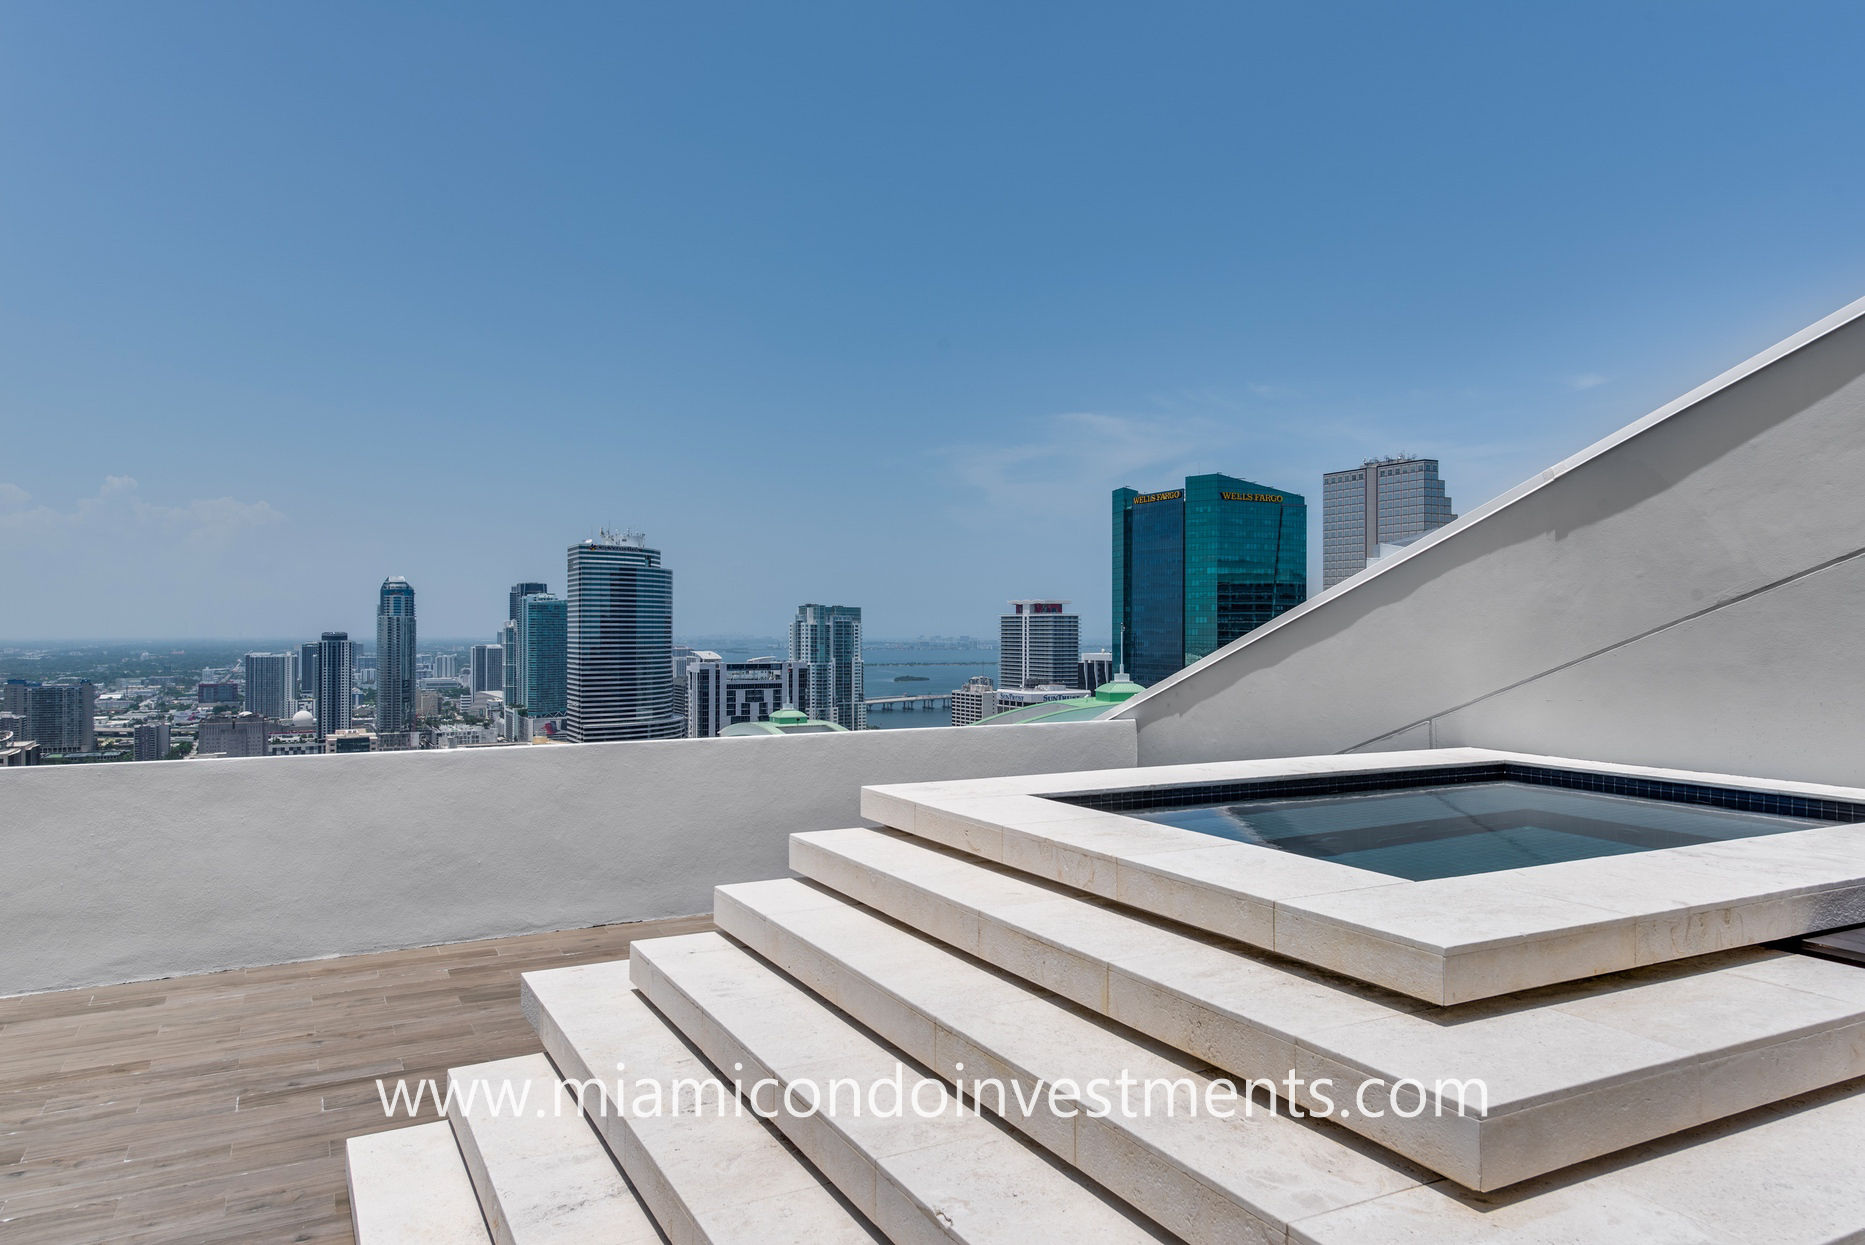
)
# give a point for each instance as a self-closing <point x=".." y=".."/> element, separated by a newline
<point x="1689" y="593"/>
<point x="135" y="871"/>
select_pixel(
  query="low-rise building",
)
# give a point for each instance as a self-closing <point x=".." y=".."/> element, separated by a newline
<point x="350" y="741"/>
<point x="242" y="735"/>
<point x="721" y="693"/>
<point x="1009" y="698"/>
<point x="1093" y="670"/>
<point x="464" y="735"/>
<point x="294" y="744"/>
<point x="786" y="721"/>
<point x="975" y="701"/>
<point x="1071" y="706"/>
<point x="15" y="751"/>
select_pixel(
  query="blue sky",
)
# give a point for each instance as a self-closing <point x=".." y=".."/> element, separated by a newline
<point x="860" y="303"/>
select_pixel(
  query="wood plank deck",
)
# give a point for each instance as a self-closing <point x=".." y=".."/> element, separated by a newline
<point x="214" y="1108"/>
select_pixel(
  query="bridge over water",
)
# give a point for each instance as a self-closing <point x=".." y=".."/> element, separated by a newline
<point x="927" y="700"/>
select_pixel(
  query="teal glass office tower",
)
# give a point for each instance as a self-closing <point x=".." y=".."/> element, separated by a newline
<point x="542" y="635"/>
<point x="1198" y="566"/>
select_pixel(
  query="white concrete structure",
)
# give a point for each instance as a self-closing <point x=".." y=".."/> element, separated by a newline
<point x="390" y="849"/>
<point x="1446" y="941"/>
<point x="1681" y="1104"/>
<point x="973" y="702"/>
<point x="1681" y="594"/>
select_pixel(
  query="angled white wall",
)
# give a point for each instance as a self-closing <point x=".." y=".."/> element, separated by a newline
<point x="1689" y="592"/>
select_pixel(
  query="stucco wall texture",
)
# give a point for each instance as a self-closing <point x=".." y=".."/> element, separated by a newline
<point x="1686" y="593"/>
<point x="130" y="872"/>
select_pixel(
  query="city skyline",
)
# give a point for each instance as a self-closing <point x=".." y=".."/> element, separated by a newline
<point x="977" y="310"/>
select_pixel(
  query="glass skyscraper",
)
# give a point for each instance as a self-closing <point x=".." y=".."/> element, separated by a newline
<point x="827" y="638"/>
<point x="485" y="671"/>
<point x="395" y="677"/>
<point x="1198" y="566"/>
<point x="307" y="669"/>
<point x="620" y="642"/>
<point x="508" y="636"/>
<point x="542" y="632"/>
<point x="333" y="670"/>
<point x="1383" y="502"/>
<point x="519" y="592"/>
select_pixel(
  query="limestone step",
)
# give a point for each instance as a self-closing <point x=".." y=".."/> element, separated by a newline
<point x="408" y="1186"/>
<point x="1445" y="940"/>
<point x="541" y="1173"/>
<point x="954" y="1176"/>
<point x="1569" y="1072"/>
<point x="1209" y="1179"/>
<point x="723" y="1179"/>
<point x="1781" y="1175"/>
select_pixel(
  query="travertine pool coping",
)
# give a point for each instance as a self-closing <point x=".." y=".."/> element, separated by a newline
<point x="1449" y="940"/>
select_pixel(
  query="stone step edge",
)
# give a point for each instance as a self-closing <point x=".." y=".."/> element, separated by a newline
<point x="1463" y="1148"/>
<point x="539" y="1176"/>
<point x="661" y="1188"/>
<point x="893" y="1189"/>
<point x="1166" y="1174"/>
<point x="409" y="1186"/>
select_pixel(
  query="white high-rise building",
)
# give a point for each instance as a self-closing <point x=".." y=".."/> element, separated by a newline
<point x="975" y="701"/>
<point x="1038" y="645"/>
<point x="827" y="639"/>
<point x="271" y="690"/>
<point x="722" y="693"/>
<point x="1376" y="509"/>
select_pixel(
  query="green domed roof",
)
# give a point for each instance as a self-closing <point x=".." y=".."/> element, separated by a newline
<point x="1120" y="689"/>
<point x="788" y="720"/>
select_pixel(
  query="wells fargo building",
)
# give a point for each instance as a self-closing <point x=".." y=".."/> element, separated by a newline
<point x="1198" y="566"/>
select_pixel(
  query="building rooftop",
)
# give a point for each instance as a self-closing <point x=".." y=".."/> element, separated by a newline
<point x="1656" y="1043"/>
<point x="1074" y="709"/>
<point x="788" y="720"/>
<point x="215" y="1107"/>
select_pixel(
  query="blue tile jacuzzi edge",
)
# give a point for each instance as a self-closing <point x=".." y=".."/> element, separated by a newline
<point x="1153" y="799"/>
